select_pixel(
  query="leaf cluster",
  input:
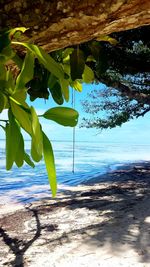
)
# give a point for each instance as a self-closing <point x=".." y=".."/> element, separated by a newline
<point x="13" y="95"/>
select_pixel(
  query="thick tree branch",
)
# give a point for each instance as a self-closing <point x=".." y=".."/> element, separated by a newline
<point x="57" y="24"/>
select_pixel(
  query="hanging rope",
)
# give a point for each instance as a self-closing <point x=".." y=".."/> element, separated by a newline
<point x="73" y="137"/>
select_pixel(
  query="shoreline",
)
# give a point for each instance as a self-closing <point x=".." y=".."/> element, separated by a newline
<point x="39" y="192"/>
<point x="102" y="224"/>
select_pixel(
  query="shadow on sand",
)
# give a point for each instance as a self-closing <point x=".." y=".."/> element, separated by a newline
<point x="123" y="201"/>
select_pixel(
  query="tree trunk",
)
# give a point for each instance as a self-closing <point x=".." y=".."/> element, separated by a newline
<point x="56" y="24"/>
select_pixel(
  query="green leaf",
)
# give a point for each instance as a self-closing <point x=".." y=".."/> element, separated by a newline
<point x="67" y="52"/>
<point x="34" y="153"/>
<point x="50" y="164"/>
<point x="23" y="117"/>
<point x="19" y="158"/>
<point x="57" y="94"/>
<point x="21" y="96"/>
<point x="17" y="29"/>
<point x="51" y="81"/>
<point x="65" y="88"/>
<point x="9" y="150"/>
<point x="10" y="82"/>
<point x="77" y="86"/>
<point x="88" y="75"/>
<point x="48" y="62"/>
<point x="107" y="38"/>
<point x="37" y="141"/>
<point x="27" y="71"/>
<point x="62" y="115"/>
<point x="55" y="89"/>
<point x="6" y="54"/>
<point x="45" y="59"/>
<point x="28" y="160"/>
<point x="13" y="136"/>
<point x="77" y="63"/>
<point x="18" y="61"/>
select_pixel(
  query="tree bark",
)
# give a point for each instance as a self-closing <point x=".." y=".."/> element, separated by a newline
<point x="55" y="24"/>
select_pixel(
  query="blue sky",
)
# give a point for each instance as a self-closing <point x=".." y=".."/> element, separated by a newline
<point x="135" y="131"/>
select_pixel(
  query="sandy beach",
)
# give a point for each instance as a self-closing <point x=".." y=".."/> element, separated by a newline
<point x="105" y="224"/>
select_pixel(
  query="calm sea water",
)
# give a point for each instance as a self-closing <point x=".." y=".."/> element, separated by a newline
<point x="91" y="161"/>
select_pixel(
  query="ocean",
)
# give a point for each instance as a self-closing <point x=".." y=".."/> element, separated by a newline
<point x="91" y="161"/>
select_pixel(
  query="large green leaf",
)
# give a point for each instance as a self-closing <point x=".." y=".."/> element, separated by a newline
<point x="23" y="117"/>
<point x="65" y="88"/>
<point x="13" y="136"/>
<point x="48" y="62"/>
<point x="19" y="157"/>
<point x="27" y="71"/>
<point x="52" y="80"/>
<point x="57" y="94"/>
<point x="18" y="61"/>
<point x="50" y="163"/>
<point x="34" y="153"/>
<point x="6" y="51"/>
<point x="21" y="96"/>
<point x="55" y="89"/>
<point x="88" y="75"/>
<point x="9" y="150"/>
<point x="77" y="63"/>
<point x="37" y="141"/>
<point x="62" y="115"/>
<point x="10" y="82"/>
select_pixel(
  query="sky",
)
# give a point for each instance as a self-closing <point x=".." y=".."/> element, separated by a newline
<point x="136" y="131"/>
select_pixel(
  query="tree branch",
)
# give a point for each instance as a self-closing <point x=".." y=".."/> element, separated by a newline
<point x="143" y="113"/>
<point x="127" y="91"/>
<point x="61" y="23"/>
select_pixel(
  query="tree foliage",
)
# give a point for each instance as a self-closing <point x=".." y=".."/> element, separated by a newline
<point x="125" y="75"/>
